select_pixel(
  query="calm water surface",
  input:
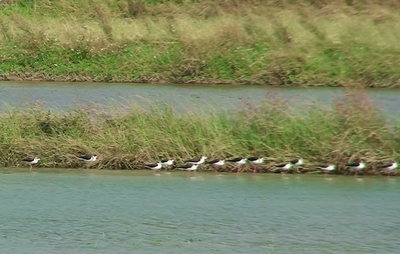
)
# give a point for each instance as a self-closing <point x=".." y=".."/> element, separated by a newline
<point x="139" y="212"/>
<point x="188" y="97"/>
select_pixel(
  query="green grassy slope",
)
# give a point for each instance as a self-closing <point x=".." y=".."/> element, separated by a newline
<point x="340" y="43"/>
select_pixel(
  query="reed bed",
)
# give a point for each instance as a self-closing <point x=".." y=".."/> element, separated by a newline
<point x="282" y="42"/>
<point x="129" y="135"/>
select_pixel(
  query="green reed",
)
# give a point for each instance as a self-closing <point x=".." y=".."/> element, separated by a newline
<point x="127" y="136"/>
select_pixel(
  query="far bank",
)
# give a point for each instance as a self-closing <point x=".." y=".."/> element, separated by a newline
<point x="130" y="136"/>
<point x="219" y="42"/>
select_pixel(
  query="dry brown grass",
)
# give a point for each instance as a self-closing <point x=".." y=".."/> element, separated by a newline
<point x="238" y="21"/>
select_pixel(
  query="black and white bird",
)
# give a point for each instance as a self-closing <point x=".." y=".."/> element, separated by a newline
<point x="255" y="161"/>
<point x="188" y="167"/>
<point x="297" y="162"/>
<point x="31" y="161"/>
<point x="326" y="168"/>
<point x="357" y="166"/>
<point x="196" y="161"/>
<point x="216" y="162"/>
<point x="88" y="157"/>
<point x="167" y="162"/>
<point x="389" y="167"/>
<point x="284" y="167"/>
<point x="239" y="161"/>
<point x="154" y="166"/>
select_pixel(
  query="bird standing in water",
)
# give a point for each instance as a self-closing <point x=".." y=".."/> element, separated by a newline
<point x="284" y="167"/>
<point x="31" y="161"/>
<point x="326" y="168"/>
<point x="357" y="166"/>
<point x="389" y="167"/>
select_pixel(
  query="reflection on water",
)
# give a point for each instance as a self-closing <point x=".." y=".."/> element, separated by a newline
<point x="68" y="95"/>
<point x="139" y="212"/>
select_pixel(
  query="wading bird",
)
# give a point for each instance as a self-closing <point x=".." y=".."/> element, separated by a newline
<point x="238" y="161"/>
<point x="188" y="167"/>
<point x="167" y="162"/>
<point x="357" y="166"/>
<point x="88" y="157"/>
<point x="154" y="166"/>
<point x="297" y="163"/>
<point x="196" y="161"/>
<point x="389" y="167"/>
<point x="31" y="161"/>
<point x="326" y="168"/>
<point x="284" y="167"/>
<point x="255" y="161"/>
<point x="217" y="163"/>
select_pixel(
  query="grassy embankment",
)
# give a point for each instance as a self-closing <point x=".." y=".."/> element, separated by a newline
<point x="297" y="42"/>
<point x="352" y="130"/>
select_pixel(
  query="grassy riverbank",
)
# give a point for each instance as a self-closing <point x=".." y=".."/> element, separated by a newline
<point x="342" y="43"/>
<point x="128" y="136"/>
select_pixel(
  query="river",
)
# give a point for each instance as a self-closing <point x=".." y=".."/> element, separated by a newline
<point x="79" y="211"/>
<point x="180" y="97"/>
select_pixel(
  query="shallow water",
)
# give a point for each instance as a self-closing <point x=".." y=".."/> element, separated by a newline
<point x="181" y="97"/>
<point x="140" y="212"/>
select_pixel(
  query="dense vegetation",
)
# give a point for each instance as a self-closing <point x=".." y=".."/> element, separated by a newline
<point x="277" y="42"/>
<point x="126" y="137"/>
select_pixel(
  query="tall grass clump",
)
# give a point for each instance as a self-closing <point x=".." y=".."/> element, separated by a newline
<point x="299" y="42"/>
<point x="128" y="136"/>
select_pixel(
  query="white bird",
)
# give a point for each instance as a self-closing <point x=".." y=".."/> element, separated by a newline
<point x="297" y="162"/>
<point x="167" y="163"/>
<point x="154" y="166"/>
<point x="88" y="157"/>
<point x="389" y="167"/>
<point x="31" y="161"/>
<point x="284" y="167"/>
<point x="327" y="167"/>
<point x="216" y="162"/>
<point x="255" y="161"/>
<point x="191" y="167"/>
<point x="196" y="161"/>
<point x="238" y="161"/>
<point x="358" y="166"/>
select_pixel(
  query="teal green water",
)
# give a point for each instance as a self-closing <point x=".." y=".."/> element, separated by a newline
<point x="140" y="212"/>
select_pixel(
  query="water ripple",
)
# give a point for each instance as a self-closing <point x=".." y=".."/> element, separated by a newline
<point x="205" y="213"/>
